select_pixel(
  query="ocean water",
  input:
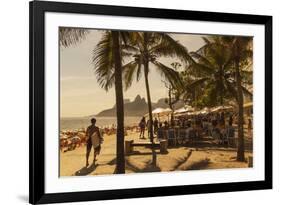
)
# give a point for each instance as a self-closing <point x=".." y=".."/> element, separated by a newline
<point x="71" y="123"/>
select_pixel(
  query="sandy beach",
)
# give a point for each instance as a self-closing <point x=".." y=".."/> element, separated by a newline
<point x="204" y="155"/>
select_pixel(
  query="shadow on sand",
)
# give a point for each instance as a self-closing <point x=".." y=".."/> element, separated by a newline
<point x="145" y="153"/>
<point x="147" y="168"/>
<point x="86" y="170"/>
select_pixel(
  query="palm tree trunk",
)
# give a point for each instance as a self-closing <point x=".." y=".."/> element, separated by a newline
<point x="150" y="127"/>
<point x="221" y="85"/>
<point x="170" y="104"/>
<point x="146" y="69"/>
<point x="240" y="149"/>
<point x="120" y="158"/>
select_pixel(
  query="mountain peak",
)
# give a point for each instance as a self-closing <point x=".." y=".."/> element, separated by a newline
<point x="138" y="98"/>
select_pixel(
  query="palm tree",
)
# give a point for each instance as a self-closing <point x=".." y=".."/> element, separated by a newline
<point x="107" y="59"/>
<point x="212" y="67"/>
<point x="225" y="58"/>
<point x="146" y="48"/>
<point x="174" y="91"/>
<point x="242" y="52"/>
<point x="71" y="36"/>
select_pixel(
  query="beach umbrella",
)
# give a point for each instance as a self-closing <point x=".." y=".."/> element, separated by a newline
<point x="158" y="110"/>
<point x="184" y="109"/>
<point x="181" y="110"/>
<point x="204" y="111"/>
<point x="221" y="108"/>
<point x="167" y="111"/>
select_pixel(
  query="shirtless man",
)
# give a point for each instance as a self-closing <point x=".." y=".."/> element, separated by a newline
<point x="94" y="140"/>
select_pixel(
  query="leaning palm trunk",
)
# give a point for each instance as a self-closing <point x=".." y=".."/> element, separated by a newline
<point x="146" y="69"/>
<point x="240" y="149"/>
<point x="150" y="128"/>
<point x="171" y="107"/>
<point x="221" y="85"/>
<point x="120" y="158"/>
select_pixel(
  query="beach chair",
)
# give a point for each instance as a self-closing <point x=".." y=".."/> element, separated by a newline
<point x="192" y="137"/>
<point x="181" y="138"/>
<point x="230" y="136"/>
<point x="216" y="135"/>
<point x="172" y="136"/>
<point x="205" y="127"/>
<point x="160" y="133"/>
<point x="210" y="129"/>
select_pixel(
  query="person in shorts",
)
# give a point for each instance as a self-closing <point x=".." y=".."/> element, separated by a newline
<point x="94" y="140"/>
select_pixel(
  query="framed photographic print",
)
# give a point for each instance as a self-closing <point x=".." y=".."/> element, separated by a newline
<point x="132" y="102"/>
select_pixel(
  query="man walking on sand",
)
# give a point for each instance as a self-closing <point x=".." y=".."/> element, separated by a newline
<point x="94" y="140"/>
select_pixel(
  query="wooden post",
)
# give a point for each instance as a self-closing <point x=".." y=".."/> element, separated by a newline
<point x="250" y="161"/>
<point x="128" y="146"/>
<point x="163" y="146"/>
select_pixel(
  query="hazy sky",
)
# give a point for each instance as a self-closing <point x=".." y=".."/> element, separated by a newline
<point x="80" y="92"/>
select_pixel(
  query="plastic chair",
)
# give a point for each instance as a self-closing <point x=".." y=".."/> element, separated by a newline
<point x="216" y="135"/>
<point x="230" y="136"/>
<point x="160" y="133"/>
<point x="181" y="136"/>
<point x="172" y="136"/>
<point x="192" y="135"/>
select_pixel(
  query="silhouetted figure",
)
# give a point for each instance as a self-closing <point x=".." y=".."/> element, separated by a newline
<point x="160" y="131"/>
<point x="142" y="128"/>
<point x="94" y="140"/>
<point x="155" y="125"/>
<point x="149" y="124"/>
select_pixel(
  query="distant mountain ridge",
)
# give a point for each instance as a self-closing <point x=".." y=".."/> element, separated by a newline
<point x="138" y="107"/>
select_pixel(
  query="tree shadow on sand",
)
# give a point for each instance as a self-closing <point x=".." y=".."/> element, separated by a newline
<point x="86" y="170"/>
<point x="148" y="168"/>
<point x="136" y="152"/>
<point x="129" y="165"/>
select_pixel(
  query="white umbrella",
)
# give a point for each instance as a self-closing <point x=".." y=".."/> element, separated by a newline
<point x="156" y="112"/>
<point x="221" y="108"/>
<point x="167" y="111"/>
<point x="205" y="110"/>
<point x="184" y="109"/>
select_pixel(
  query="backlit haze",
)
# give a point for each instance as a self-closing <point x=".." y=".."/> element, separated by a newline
<point x="80" y="93"/>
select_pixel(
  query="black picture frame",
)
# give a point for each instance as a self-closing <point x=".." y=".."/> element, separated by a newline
<point x="37" y="10"/>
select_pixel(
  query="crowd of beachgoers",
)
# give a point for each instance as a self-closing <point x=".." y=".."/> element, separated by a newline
<point x="204" y="141"/>
<point x="71" y="139"/>
<point x="221" y="126"/>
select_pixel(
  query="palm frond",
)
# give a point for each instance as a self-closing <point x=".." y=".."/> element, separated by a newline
<point x="139" y="69"/>
<point x="103" y="60"/>
<point x="197" y="82"/>
<point x="231" y="89"/>
<point x="168" y="73"/>
<point x="247" y="92"/>
<point x="71" y="36"/>
<point x="129" y="71"/>
<point x="201" y="68"/>
<point x="201" y="58"/>
<point x="129" y="48"/>
<point x="168" y="47"/>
